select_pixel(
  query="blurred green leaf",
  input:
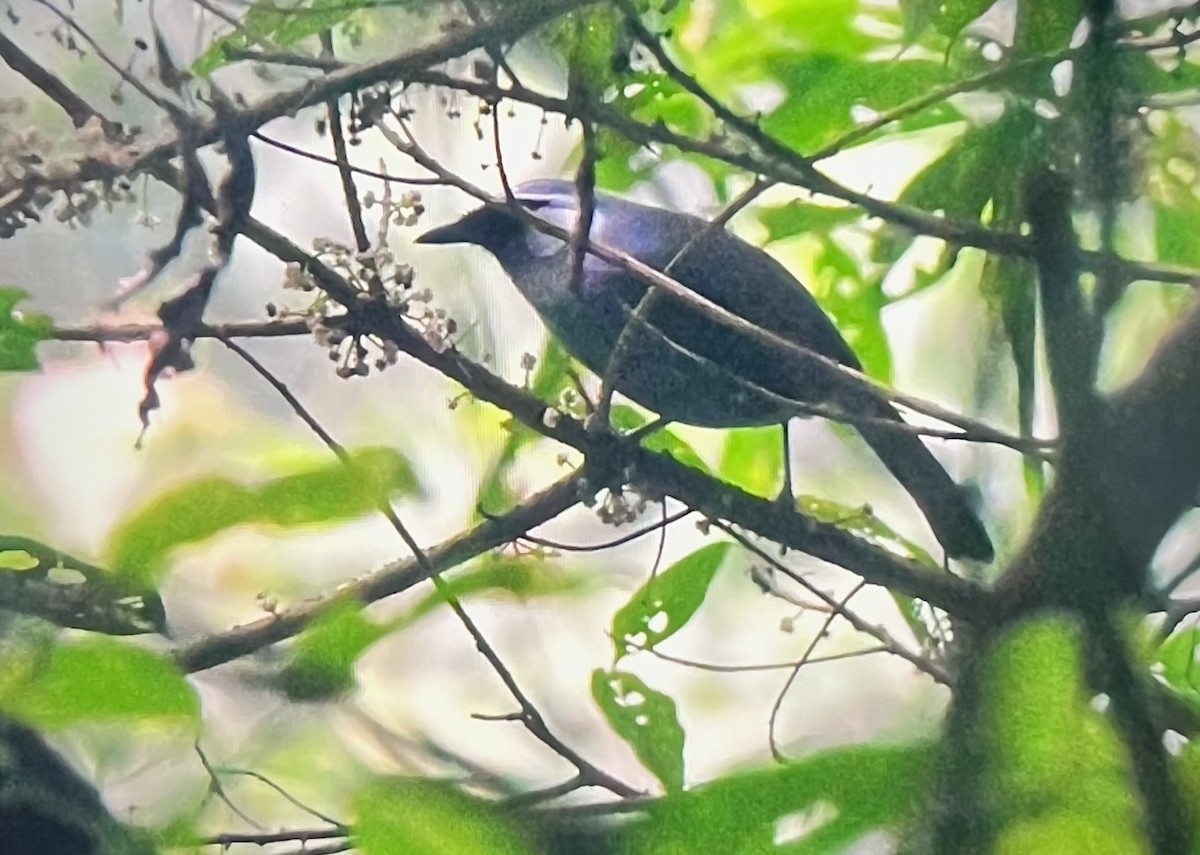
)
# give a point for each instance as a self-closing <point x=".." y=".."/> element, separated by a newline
<point x="20" y="331"/>
<point x="614" y="162"/>
<point x="1170" y="183"/>
<point x="918" y="16"/>
<point x="1053" y="764"/>
<point x="664" y="605"/>
<point x="626" y="419"/>
<point x="983" y="160"/>
<point x="656" y="98"/>
<point x="96" y="680"/>
<point x="1008" y="283"/>
<point x="523" y="577"/>
<point x="321" y="660"/>
<point x="801" y="218"/>
<point x="1180" y="670"/>
<point x="862" y="522"/>
<point x="856" y="301"/>
<point x="1150" y="75"/>
<point x="847" y="793"/>
<point x="646" y="720"/>
<point x="196" y="511"/>
<point x="753" y="460"/>
<point x="1176" y="219"/>
<point x="595" y="47"/>
<point x="824" y="90"/>
<point x="550" y="380"/>
<point x="741" y="35"/>
<point x="954" y="15"/>
<point x="279" y="24"/>
<point x="1046" y="27"/>
<point x="406" y="817"/>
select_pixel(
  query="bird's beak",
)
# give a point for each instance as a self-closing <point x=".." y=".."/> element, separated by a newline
<point x="451" y="233"/>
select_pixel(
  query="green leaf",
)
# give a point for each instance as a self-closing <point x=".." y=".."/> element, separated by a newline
<point x="96" y="680"/>
<point x="800" y="218"/>
<point x="856" y="303"/>
<point x="615" y="168"/>
<point x="918" y="15"/>
<point x="656" y="98"/>
<point x="1008" y="284"/>
<point x="321" y="661"/>
<point x="550" y="380"/>
<point x="663" y="605"/>
<point x="847" y="793"/>
<point x="1046" y="27"/>
<point x="862" y="522"/>
<point x="595" y="47"/>
<point x="954" y="15"/>
<point x="274" y="23"/>
<point x="20" y="331"/>
<point x="824" y="89"/>
<point x="982" y="161"/>
<point x="521" y="577"/>
<point x="1148" y="75"/>
<point x="753" y="460"/>
<point x="665" y="441"/>
<point x="196" y="511"/>
<point x="1053" y="765"/>
<point x="403" y="817"/>
<point x="1175" y="228"/>
<point x="646" y="720"/>
<point x="1177" y="656"/>
<point x="742" y="34"/>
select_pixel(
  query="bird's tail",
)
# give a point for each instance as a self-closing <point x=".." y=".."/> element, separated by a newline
<point x="943" y="502"/>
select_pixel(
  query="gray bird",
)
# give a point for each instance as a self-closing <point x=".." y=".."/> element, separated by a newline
<point x="682" y="365"/>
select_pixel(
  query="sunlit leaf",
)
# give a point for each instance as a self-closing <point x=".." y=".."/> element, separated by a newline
<point x="744" y="33"/>
<point x="625" y="419"/>
<point x="20" y="331"/>
<point x="1177" y="656"/>
<point x="753" y="460"/>
<point x="644" y="718"/>
<point x="195" y="511"/>
<point x="406" y="817"/>
<point x="97" y="680"/>
<point x="665" y="604"/>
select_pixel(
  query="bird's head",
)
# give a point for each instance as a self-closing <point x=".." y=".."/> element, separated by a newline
<point x="499" y="230"/>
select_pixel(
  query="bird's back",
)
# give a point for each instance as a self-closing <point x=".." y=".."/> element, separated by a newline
<point x="742" y="279"/>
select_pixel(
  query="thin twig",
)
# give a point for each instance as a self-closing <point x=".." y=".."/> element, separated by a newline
<point x="839" y="609"/>
<point x="529" y="715"/>
<point x="751" y="668"/>
<point x="922" y="663"/>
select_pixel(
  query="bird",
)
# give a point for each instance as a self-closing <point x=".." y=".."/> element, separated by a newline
<point x="687" y="367"/>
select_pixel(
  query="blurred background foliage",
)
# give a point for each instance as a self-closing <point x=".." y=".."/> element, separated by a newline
<point x="740" y="715"/>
